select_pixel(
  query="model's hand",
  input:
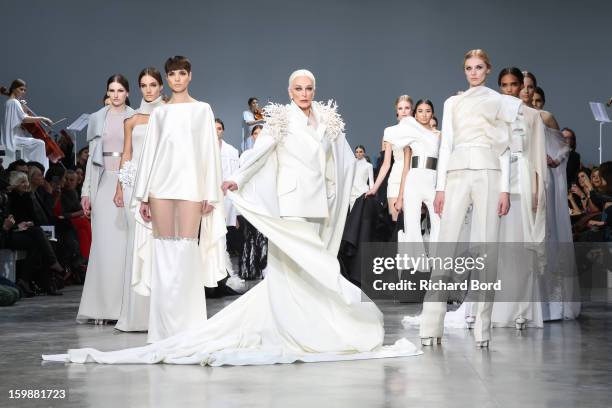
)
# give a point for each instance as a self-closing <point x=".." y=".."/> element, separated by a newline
<point x="370" y="193"/>
<point x="46" y="120"/>
<point x="229" y="185"/>
<point x="118" y="199"/>
<point x="86" y="204"/>
<point x="439" y="203"/>
<point x="206" y="208"/>
<point x="145" y="212"/>
<point x="399" y="204"/>
<point x="503" y="206"/>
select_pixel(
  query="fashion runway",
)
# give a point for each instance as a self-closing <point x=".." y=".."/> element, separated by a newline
<point x="566" y="364"/>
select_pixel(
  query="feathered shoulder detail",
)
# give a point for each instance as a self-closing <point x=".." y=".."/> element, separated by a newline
<point x="276" y="117"/>
<point x="328" y="115"/>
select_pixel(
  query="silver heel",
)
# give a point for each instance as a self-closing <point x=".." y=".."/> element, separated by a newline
<point x="430" y="341"/>
<point x="470" y="320"/>
<point x="521" y="323"/>
<point x="482" y="344"/>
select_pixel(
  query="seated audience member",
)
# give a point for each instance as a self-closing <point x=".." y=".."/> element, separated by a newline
<point x="600" y="228"/>
<point x="71" y="206"/>
<point x="21" y="233"/>
<point x="18" y="165"/>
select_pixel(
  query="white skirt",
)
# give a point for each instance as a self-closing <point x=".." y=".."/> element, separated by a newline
<point x="103" y="290"/>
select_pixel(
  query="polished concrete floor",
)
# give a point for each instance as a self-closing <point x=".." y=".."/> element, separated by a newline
<point x="566" y="364"/>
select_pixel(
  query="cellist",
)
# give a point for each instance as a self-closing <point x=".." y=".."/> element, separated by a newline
<point x="13" y="135"/>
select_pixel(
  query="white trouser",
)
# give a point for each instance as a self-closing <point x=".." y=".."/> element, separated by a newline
<point x="420" y="188"/>
<point x="177" y="288"/>
<point x="481" y="188"/>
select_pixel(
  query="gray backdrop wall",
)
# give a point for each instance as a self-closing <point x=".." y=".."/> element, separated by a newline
<point x="364" y="53"/>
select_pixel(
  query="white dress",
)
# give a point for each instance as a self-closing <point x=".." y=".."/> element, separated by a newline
<point x="134" y="307"/>
<point x="304" y="310"/>
<point x="180" y="161"/>
<point x="14" y="137"/>
<point x="521" y="260"/>
<point x="363" y="181"/>
<point x="560" y="288"/>
<point x="103" y="289"/>
<point x="395" y="177"/>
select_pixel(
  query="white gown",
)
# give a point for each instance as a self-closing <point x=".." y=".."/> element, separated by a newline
<point x="304" y="310"/>
<point x="134" y="314"/>
<point x="103" y="289"/>
<point x="363" y="180"/>
<point x="14" y="137"/>
<point x="560" y="288"/>
<point x="522" y="260"/>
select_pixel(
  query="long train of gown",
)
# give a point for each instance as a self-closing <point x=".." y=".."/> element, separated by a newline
<point x="303" y="311"/>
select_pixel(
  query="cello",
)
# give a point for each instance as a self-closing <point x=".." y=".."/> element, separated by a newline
<point x="53" y="151"/>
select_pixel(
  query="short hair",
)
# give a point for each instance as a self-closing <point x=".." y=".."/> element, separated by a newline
<point x="514" y="71"/>
<point x="360" y="147"/>
<point x="219" y="121"/>
<point x="302" y="73"/>
<point x="251" y="99"/>
<point x="177" y="62"/>
<point x="478" y="53"/>
<point x="540" y="92"/>
<point x="13" y="165"/>
<point x="16" y="177"/>
<point x="55" y="172"/>
<point x="255" y="128"/>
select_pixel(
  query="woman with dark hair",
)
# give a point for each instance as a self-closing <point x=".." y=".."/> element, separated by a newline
<point x="178" y="190"/>
<point x="364" y="175"/>
<point x="519" y="264"/>
<point x="418" y="182"/>
<point x="134" y="314"/>
<point x="14" y="137"/>
<point x="103" y="289"/>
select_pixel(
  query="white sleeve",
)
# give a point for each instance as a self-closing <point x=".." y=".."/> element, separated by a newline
<point x="446" y="145"/>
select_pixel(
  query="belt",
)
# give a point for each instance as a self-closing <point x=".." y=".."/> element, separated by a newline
<point x="112" y="154"/>
<point x="468" y="145"/>
<point x="424" y="162"/>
